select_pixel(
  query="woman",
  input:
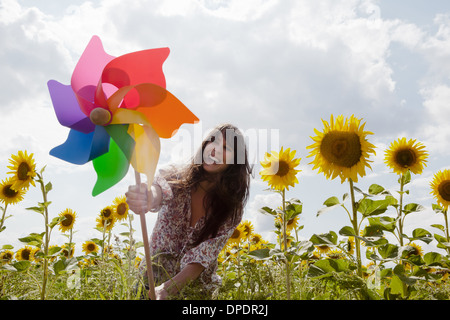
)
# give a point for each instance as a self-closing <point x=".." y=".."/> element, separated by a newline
<point x="199" y="208"/>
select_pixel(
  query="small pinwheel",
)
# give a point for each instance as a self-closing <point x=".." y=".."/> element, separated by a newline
<point x="117" y="109"/>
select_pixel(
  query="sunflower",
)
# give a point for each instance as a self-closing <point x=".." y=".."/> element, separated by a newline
<point x="403" y="155"/>
<point x="292" y="223"/>
<point x="35" y="256"/>
<point x="68" y="250"/>
<point x="247" y="228"/>
<point x="237" y="236"/>
<point x="6" y="256"/>
<point x="279" y="169"/>
<point x="8" y="195"/>
<point x="24" y="254"/>
<point x="342" y="149"/>
<point x="120" y="208"/>
<point x="107" y="223"/>
<point x="89" y="247"/>
<point x="417" y="250"/>
<point x="69" y="220"/>
<point x="106" y="218"/>
<point x="351" y="245"/>
<point x="440" y="188"/>
<point x="24" y="170"/>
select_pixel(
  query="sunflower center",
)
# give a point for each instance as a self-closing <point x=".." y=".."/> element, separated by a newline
<point x="283" y="168"/>
<point x="67" y="221"/>
<point x="91" y="246"/>
<point x="22" y="171"/>
<point x="405" y="158"/>
<point x="444" y="190"/>
<point x="341" y="148"/>
<point x="8" y="192"/>
<point x="236" y="234"/>
<point x="106" y="213"/>
<point x="121" y="209"/>
<point x="26" y="254"/>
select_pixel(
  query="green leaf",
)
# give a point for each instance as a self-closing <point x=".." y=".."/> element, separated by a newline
<point x="55" y="221"/>
<point x="388" y="251"/>
<point x="330" y="203"/>
<point x="438" y="226"/>
<point x="422" y="235"/>
<point x="325" y="266"/>
<point x="267" y="210"/>
<point x="7" y="247"/>
<point x="437" y="208"/>
<point x="53" y="250"/>
<point x="260" y="254"/>
<point x="432" y="258"/>
<point x="22" y="265"/>
<point x="413" y="207"/>
<point x="383" y="223"/>
<point x="369" y="207"/>
<point x="405" y="178"/>
<point x="398" y="287"/>
<point x="48" y="187"/>
<point x="36" y="209"/>
<point x="375" y="189"/>
<point x="34" y="239"/>
<point x="347" y="231"/>
<point x="329" y="238"/>
<point x="294" y="207"/>
<point x="59" y="267"/>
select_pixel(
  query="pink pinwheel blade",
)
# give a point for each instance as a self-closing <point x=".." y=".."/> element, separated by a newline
<point x="87" y="74"/>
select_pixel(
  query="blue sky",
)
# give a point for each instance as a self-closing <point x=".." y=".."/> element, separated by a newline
<point x="278" y="65"/>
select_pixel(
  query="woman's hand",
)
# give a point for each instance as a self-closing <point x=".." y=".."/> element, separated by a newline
<point x="161" y="292"/>
<point x="138" y="198"/>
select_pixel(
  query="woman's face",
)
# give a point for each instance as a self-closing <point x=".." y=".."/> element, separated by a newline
<point x="217" y="156"/>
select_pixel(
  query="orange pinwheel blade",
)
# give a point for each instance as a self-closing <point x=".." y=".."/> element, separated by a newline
<point x="161" y="108"/>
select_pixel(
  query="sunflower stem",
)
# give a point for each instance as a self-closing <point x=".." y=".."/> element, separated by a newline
<point x="354" y="221"/>
<point x="47" y="235"/>
<point x="446" y="229"/>
<point x="400" y="211"/>
<point x="288" y="281"/>
<point x="2" y="221"/>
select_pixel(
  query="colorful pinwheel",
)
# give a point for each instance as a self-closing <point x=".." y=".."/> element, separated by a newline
<point x="117" y="109"/>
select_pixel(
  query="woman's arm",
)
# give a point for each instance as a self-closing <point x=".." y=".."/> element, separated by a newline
<point x="140" y="199"/>
<point x="190" y="272"/>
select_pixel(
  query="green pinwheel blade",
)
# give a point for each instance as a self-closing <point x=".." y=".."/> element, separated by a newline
<point x="119" y="133"/>
<point x="111" y="167"/>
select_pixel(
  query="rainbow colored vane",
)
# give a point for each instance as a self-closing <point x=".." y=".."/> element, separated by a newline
<point x="117" y="109"/>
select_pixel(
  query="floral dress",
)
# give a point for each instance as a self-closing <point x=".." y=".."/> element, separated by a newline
<point x="171" y="242"/>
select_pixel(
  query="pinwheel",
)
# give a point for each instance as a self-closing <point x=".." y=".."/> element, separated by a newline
<point x="117" y="110"/>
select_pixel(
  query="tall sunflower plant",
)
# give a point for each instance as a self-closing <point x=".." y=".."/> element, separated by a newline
<point x="279" y="172"/>
<point x="440" y="189"/>
<point x="23" y="175"/>
<point x="343" y="150"/>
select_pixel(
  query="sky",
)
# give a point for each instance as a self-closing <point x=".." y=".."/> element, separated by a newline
<point x="274" y="68"/>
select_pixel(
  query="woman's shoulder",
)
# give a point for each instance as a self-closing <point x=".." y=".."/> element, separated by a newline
<point x="172" y="172"/>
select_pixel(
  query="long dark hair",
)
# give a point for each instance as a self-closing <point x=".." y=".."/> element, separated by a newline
<point x="226" y="199"/>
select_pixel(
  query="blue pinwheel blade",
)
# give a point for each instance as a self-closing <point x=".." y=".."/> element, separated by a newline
<point x="80" y="147"/>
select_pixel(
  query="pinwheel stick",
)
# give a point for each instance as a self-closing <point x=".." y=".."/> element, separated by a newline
<point x="148" y="260"/>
